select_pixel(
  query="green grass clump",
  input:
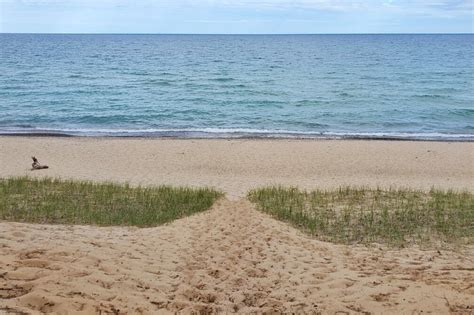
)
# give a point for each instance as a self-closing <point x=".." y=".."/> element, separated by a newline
<point x="362" y="215"/>
<point x="80" y="202"/>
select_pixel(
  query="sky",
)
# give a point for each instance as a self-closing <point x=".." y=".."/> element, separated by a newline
<point x="236" y="16"/>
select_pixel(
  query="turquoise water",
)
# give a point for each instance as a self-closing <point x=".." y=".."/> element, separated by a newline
<point x="374" y="86"/>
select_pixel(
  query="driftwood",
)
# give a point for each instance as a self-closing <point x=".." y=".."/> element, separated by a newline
<point x="36" y="165"/>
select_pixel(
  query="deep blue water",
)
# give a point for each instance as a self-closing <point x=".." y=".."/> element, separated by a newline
<point x="410" y="86"/>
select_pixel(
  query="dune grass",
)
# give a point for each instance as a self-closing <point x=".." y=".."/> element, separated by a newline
<point x="362" y="215"/>
<point x="54" y="201"/>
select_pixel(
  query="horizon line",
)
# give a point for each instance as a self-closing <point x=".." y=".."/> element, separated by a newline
<point x="256" y="34"/>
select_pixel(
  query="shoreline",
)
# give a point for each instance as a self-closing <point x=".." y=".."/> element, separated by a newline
<point x="275" y="136"/>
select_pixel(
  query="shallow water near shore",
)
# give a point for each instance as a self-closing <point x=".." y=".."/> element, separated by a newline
<point x="219" y="86"/>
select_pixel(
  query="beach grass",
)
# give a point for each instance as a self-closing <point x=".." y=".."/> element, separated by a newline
<point x="54" y="201"/>
<point x="351" y="215"/>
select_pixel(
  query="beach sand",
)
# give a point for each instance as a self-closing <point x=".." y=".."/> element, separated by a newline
<point x="231" y="258"/>
<point x="235" y="166"/>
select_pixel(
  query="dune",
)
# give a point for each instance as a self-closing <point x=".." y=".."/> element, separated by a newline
<point x="231" y="258"/>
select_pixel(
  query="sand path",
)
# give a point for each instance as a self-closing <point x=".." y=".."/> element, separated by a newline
<point x="231" y="258"/>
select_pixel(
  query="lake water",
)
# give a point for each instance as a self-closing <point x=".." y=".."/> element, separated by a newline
<point x="367" y="86"/>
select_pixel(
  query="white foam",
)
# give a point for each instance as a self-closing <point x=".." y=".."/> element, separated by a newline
<point x="232" y="132"/>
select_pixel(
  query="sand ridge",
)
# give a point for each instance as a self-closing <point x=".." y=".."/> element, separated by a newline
<point x="231" y="258"/>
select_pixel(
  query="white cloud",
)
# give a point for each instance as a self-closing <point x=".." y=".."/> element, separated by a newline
<point x="400" y="6"/>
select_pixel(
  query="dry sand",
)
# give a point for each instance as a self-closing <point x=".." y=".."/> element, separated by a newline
<point x="231" y="258"/>
<point x="236" y="166"/>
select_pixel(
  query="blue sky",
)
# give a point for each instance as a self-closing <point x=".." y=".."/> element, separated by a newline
<point x="236" y="16"/>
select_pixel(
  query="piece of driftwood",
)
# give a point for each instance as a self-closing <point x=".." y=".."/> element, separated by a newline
<point x="36" y="165"/>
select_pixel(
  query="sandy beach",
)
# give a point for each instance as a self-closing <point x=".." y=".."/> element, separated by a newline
<point x="235" y="166"/>
<point x="231" y="258"/>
